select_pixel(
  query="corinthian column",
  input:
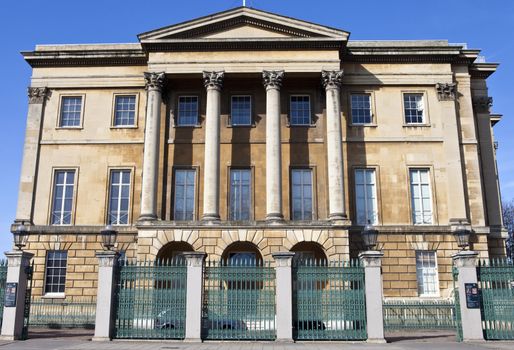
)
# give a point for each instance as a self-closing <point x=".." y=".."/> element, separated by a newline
<point x="213" y="82"/>
<point x="332" y="82"/>
<point x="154" y="86"/>
<point x="37" y="98"/>
<point x="273" y="83"/>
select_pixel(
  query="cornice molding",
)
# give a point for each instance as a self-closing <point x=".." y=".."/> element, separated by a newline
<point x="89" y="58"/>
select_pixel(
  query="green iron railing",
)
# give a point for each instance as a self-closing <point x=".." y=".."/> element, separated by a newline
<point x="419" y="314"/>
<point x="3" y="279"/>
<point x="239" y="301"/>
<point x="55" y="313"/>
<point x="329" y="300"/>
<point x="458" y="318"/>
<point x="496" y="282"/>
<point x="150" y="299"/>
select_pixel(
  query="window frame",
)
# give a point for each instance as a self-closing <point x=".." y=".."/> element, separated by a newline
<point x="377" y="202"/>
<point x="426" y="120"/>
<point x="251" y="192"/>
<point x="195" y="192"/>
<point x="431" y="189"/>
<point x="252" y="119"/>
<point x="313" y="191"/>
<point x="290" y="111"/>
<point x="136" y="110"/>
<point x="437" y="292"/>
<point x="371" y="108"/>
<point x="177" y="109"/>
<point x="108" y="197"/>
<point x="60" y="111"/>
<point x="52" y="193"/>
<point x="54" y="294"/>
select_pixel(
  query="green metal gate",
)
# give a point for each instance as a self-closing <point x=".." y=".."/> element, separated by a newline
<point x="328" y="300"/>
<point x="150" y="299"/>
<point x="496" y="282"/>
<point x="239" y="301"/>
<point x="419" y="314"/>
<point x="3" y="280"/>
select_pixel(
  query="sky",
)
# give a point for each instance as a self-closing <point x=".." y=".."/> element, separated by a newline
<point x="486" y="25"/>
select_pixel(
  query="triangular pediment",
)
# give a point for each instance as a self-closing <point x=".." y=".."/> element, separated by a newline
<point x="243" y="23"/>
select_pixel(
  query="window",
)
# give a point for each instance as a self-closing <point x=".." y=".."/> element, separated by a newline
<point x="421" y="197"/>
<point x="300" y="110"/>
<point x="414" y="108"/>
<point x="55" y="276"/>
<point x="241" y="110"/>
<point x="361" y="108"/>
<point x="124" y="110"/>
<point x="366" y="196"/>
<point x="184" y="194"/>
<point x="301" y="184"/>
<point x="426" y="272"/>
<point x="242" y="258"/>
<point x="187" y="111"/>
<point x="71" y="108"/>
<point x="63" y="197"/>
<point x="240" y="197"/>
<point x="119" y="196"/>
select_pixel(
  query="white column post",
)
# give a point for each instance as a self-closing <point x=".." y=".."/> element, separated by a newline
<point x="154" y="86"/>
<point x="37" y="98"/>
<point x="465" y="261"/>
<point x="18" y="264"/>
<point x="336" y="202"/>
<point x="273" y="82"/>
<point x="194" y="297"/>
<point x="372" y="262"/>
<point x="104" y="309"/>
<point x="284" y="295"/>
<point x="213" y="82"/>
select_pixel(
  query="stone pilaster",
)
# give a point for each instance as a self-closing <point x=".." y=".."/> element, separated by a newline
<point x="27" y="189"/>
<point x="273" y="82"/>
<point x="213" y="82"/>
<point x="194" y="298"/>
<point x="284" y="295"/>
<point x="104" y="298"/>
<point x="332" y="82"/>
<point x="154" y="87"/>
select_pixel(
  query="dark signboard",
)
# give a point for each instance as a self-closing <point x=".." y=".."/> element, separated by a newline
<point x="10" y="294"/>
<point x="472" y="296"/>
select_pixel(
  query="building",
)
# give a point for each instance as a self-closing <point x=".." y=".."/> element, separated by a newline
<point x="245" y="133"/>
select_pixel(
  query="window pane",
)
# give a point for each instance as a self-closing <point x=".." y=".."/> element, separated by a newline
<point x="55" y="280"/>
<point x="300" y="113"/>
<point x="241" y="110"/>
<point x="71" y="107"/>
<point x="240" y="201"/>
<point x="365" y="196"/>
<point x="62" y="202"/>
<point x="426" y="270"/>
<point x="361" y="108"/>
<point x="119" y="192"/>
<point x="184" y="194"/>
<point x="421" y="196"/>
<point x="124" y="110"/>
<point x="187" y="111"/>
<point x="301" y="194"/>
<point x="414" y="109"/>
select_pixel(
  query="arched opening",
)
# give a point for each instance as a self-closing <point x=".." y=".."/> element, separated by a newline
<point x="309" y="253"/>
<point x="172" y="251"/>
<point x="242" y="253"/>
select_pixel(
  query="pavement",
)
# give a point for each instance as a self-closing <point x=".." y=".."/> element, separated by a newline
<point x="81" y="340"/>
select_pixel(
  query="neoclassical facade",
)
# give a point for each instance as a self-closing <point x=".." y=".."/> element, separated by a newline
<point x="245" y="133"/>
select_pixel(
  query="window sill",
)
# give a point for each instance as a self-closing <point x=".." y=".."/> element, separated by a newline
<point x="69" y="128"/>
<point x="301" y="125"/>
<point x="123" y="127"/>
<point x="54" y="296"/>
<point x="429" y="296"/>
<point x="187" y="126"/>
<point x="370" y="125"/>
<point x="414" y="125"/>
<point x="247" y="126"/>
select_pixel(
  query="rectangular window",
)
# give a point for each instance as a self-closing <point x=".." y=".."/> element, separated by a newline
<point x="426" y="272"/>
<point x="187" y="111"/>
<point x="366" y="196"/>
<point x="71" y="108"/>
<point x="414" y="108"/>
<point x="63" y="197"/>
<point x="361" y="108"/>
<point x="184" y="203"/>
<point x="240" y="195"/>
<point x="421" y="196"/>
<point x="241" y="110"/>
<point x="300" y="110"/>
<point x="301" y="185"/>
<point x="124" y="110"/>
<point x="55" y="274"/>
<point x="119" y="197"/>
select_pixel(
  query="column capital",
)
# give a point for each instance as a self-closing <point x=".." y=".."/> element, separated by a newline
<point x="283" y="259"/>
<point x="213" y="80"/>
<point x="272" y="79"/>
<point x="371" y="258"/>
<point x="466" y="258"/>
<point x="446" y="91"/>
<point x="331" y="79"/>
<point x="106" y="258"/>
<point x="482" y="104"/>
<point x="194" y="259"/>
<point x="155" y="80"/>
<point x="37" y="94"/>
<point x="18" y="258"/>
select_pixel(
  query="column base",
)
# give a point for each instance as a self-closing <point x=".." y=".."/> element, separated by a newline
<point x="100" y="339"/>
<point x="8" y="337"/>
<point x="274" y="218"/>
<point x="210" y="218"/>
<point x="147" y="217"/>
<point x="192" y="340"/>
<point x="376" y="341"/>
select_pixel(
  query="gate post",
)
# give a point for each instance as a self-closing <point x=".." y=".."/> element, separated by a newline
<point x="284" y="296"/>
<point x="104" y="296"/>
<point x="465" y="262"/>
<point x="18" y="265"/>
<point x="194" y="295"/>
<point x="372" y="262"/>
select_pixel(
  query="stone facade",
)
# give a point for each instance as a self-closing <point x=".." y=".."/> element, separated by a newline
<point x="227" y="54"/>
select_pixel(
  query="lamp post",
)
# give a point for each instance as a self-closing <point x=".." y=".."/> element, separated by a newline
<point x="462" y="235"/>
<point x="109" y="235"/>
<point x="369" y="236"/>
<point x="20" y="235"/>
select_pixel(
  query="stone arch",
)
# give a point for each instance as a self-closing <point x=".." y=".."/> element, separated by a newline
<point x="242" y="247"/>
<point x="172" y="250"/>
<point x="309" y="250"/>
<point x="163" y="237"/>
<point x="320" y="237"/>
<point x="228" y="237"/>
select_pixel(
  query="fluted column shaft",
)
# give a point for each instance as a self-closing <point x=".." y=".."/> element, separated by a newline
<point x="273" y="83"/>
<point x="332" y="82"/>
<point x="154" y="87"/>
<point x="213" y="82"/>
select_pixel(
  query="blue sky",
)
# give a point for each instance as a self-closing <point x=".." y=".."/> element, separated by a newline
<point x="488" y="25"/>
